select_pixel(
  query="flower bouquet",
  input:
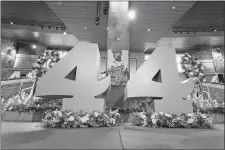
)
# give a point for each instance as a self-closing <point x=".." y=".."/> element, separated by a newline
<point x="70" y="119"/>
<point x="168" y="120"/>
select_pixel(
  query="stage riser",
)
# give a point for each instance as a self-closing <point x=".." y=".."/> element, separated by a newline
<point x="22" y="117"/>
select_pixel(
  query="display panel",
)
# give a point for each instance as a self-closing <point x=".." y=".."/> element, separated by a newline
<point x="117" y="66"/>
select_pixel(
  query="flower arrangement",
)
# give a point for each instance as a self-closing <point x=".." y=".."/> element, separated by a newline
<point x="44" y="62"/>
<point x="168" y="120"/>
<point x="70" y="119"/>
<point x="16" y="78"/>
<point x="35" y="105"/>
<point x="192" y="68"/>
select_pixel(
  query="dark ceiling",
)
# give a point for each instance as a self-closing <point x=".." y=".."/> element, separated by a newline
<point x="29" y="16"/>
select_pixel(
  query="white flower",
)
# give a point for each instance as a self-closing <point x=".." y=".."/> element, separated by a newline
<point x="71" y="118"/>
<point x="3" y="100"/>
<point x="85" y="118"/>
<point x="201" y="74"/>
<point x="190" y="120"/>
<point x="142" y="115"/>
<point x="196" y="70"/>
<point x="204" y="116"/>
<point x="154" y="115"/>
<point x="168" y="115"/>
<point x="112" y="120"/>
<point x="161" y="113"/>
<point x="191" y="73"/>
<point x="202" y="68"/>
<point x="96" y="114"/>
<point x="154" y="121"/>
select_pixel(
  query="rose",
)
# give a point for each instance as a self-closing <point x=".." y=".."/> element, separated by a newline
<point x="85" y="118"/>
<point x="71" y="118"/>
<point x="96" y="114"/>
<point x="190" y="73"/>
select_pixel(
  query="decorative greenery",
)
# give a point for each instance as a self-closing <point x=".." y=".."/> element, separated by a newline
<point x="35" y="105"/>
<point x="168" y="120"/>
<point x="16" y="78"/>
<point x="70" y="119"/>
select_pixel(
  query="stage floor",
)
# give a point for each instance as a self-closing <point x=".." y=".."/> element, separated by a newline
<point x="33" y="136"/>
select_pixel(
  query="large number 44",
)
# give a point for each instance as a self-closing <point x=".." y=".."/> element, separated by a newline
<point x="158" y="78"/>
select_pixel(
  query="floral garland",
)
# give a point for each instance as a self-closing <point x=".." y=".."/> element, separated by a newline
<point x="35" y="105"/>
<point x="69" y="119"/>
<point x="168" y="120"/>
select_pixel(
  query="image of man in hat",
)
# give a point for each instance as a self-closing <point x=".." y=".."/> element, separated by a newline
<point x="118" y="69"/>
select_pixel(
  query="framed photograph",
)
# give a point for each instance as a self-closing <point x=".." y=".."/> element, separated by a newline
<point x="118" y="66"/>
<point x="218" y="60"/>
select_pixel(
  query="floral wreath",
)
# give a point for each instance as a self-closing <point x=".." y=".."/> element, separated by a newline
<point x="192" y="68"/>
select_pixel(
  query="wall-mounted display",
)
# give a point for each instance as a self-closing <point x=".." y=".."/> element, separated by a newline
<point x="9" y="59"/>
<point x="218" y="60"/>
<point x="117" y="66"/>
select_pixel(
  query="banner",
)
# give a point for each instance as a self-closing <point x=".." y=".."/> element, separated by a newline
<point x="118" y="66"/>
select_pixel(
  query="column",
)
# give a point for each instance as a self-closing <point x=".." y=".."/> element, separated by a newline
<point x="118" y="41"/>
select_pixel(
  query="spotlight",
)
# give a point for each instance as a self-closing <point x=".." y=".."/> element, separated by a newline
<point x="149" y="30"/>
<point x="64" y="33"/>
<point x="34" y="46"/>
<point x="173" y="7"/>
<point x="215" y="30"/>
<point x="11" y="22"/>
<point x="118" y="39"/>
<point x="97" y="21"/>
<point x="85" y="28"/>
<point x="131" y="14"/>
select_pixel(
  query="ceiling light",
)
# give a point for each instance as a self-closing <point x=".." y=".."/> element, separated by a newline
<point x="85" y="28"/>
<point x="173" y="7"/>
<point x="34" y="46"/>
<point x="131" y="14"/>
<point x="118" y="39"/>
<point x="11" y="23"/>
<point x="149" y="30"/>
<point x="64" y="32"/>
<point x="215" y="30"/>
